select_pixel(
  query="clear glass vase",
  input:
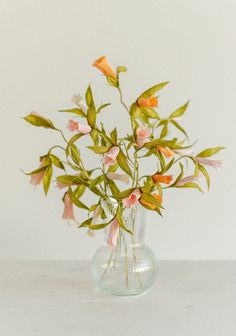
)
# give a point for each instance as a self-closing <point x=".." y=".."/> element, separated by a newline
<point x="130" y="267"/>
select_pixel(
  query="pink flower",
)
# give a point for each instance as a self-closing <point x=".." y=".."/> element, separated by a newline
<point x="209" y="162"/>
<point x="35" y="113"/>
<point x="68" y="208"/>
<point x="120" y="177"/>
<point x="184" y="151"/>
<point x="96" y="214"/>
<point x="78" y="100"/>
<point x="110" y="157"/>
<point x="132" y="199"/>
<point x="37" y="178"/>
<point x="84" y="129"/>
<point x="61" y="185"/>
<point x="142" y="133"/>
<point x="191" y="178"/>
<point x="72" y="125"/>
<point x="113" y="233"/>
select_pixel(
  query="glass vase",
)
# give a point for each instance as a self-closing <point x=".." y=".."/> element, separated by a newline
<point x="129" y="267"/>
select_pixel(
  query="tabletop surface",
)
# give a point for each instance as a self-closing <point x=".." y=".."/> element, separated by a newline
<point x="59" y="298"/>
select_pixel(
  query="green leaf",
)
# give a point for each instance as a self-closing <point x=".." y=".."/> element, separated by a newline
<point x="209" y="152"/>
<point x="47" y="179"/>
<point x="97" y="180"/>
<point x="121" y="68"/>
<point x="39" y="170"/>
<point x="114" y="136"/>
<point x="99" y="149"/>
<point x="150" y="92"/>
<point x="114" y="189"/>
<point x="88" y="224"/>
<point x="113" y="168"/>
<point x="113" y="81"/>
<point x="39" y="121"/>
<point x="102" y="107"/>
<point x="190" y="185"/>
<point x="76" y="111"/>
<point x="205" y="173"/>
<point x="89" y="96"/>
<point x="91" y="116"/>
<point x="135" y="111"/>
<point x="180" y="111"/>
<point x="74" y="153"/>
<point x="96" y="191"/>
<point x="168" y="166"/>
<point x="122" y="162"/>
<point x="56" y="161"/>
<point x="149" y="113"/>
<point x="150" y="199"/>
<point x="69" y="179"/>
<point x="124" y="193"/>
<point x="120" y="220"/>
<point x="76" y="201"/>
<point x="177" y="125"/>
<point x="179" y="177"/>
<point x="73" y="140"/>
<point x="94" y="136"/>
<point x="79" y="191"/>
<point x="164" y="131"/>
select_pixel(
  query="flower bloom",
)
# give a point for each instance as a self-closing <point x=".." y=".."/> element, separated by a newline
<point x="78" y="100"/>
<point x="120" y="177"/>
<point x="104" y="67"/>
<point x="166" y="151"/>
<point x="151" y="205"/>
<point x="148" y="102"/>
<point x="110" y="157"/>
<point x="36" y="179"/>
<point x="74" y="125"/>
<point x="209" y="162"/>
<point x="184" y="151"/>
<point x="68" y="208"/>
<point x="113" y="233"/>
<point x="158" y="178"/>
<point x="191" y="178"/>
<point x="132" y="199"/>
<point x="142" y="135"/>
<point x="96" y="214"/>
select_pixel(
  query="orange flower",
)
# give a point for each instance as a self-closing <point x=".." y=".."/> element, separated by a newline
<point x="158" y="178"/>
<point x="152" y="206"/>
<point x="165" y="151"/>
<point x="148" y="102"/>
<point x="104" y="67"/>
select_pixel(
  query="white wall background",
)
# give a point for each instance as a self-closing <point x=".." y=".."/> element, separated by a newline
<point x="47" y="47"/>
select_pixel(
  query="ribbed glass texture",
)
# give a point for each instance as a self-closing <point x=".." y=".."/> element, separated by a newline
<point x="130" y="267"/>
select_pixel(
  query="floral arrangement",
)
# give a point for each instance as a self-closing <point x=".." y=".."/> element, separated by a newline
<point x="120" y="157"/>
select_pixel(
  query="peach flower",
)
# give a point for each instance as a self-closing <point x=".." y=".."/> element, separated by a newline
<point x="113" y="233"/>
<point x="142" y="135"/>
<point x="151" y="205"/>
<point x="132" y="199"/>
<point x="110" y="157"/>
<point x="166" y="151"/>
<point x="120" y="177"/>
<point x="68" y="208"/>
<point x="104" y="67"/>
<point x="158" y="178"/>
<point x="148" y="102"/>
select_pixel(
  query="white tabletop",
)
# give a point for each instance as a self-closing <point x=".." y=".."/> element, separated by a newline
<point x="59" y="298"/>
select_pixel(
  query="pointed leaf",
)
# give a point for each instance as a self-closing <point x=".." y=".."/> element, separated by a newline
<point x="99" y="149"/>
<point x="76" y="111"/>
<point x="209" y="152"/>
<point x="150" y="92"/>
<point x="39" y="121"/>
<point x="177" y="125"/>
<point x="47" y="179"/>
<point x="122" y="162"/>
<point x="180" y="111"/>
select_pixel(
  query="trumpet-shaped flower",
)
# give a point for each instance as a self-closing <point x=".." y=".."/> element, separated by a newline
<point x="102" y="64"/>
<point x="113" y="233"/>
<point x="132" y="199"/>
<point x="158" y="178"/>
<point x="166" y="151"/>
<point x="68" y="208"/>
<point x="37" y="178"/>
<point x="119" y="177"/>
<point x="187" y="179"/>
<point x="142" y="135"/>
<point x="148" y="102"/>
<point x="78" y="100"/>
<point x="151" y="205"/>
<point x="110" y="157"/>
<point x="74" y="125"/>
<point x="84" y="129"/>
<point x="209" y="162"/>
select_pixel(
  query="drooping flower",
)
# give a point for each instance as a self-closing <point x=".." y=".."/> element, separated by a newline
<point x="72" y="125"/>
<point x="102" y="64"/>
<point x="120" y="177"/>
<point x="166" y="151"/>
<point x="151" y="205"/>
<point x="187" y="179"/>
<point x="158" y="178"/>
<point x="209" y="162"/>
<point x="142" y="135"/>
<point x="37" y="178"/>
<point x="148" y="102"/>
<point x="132" y="199"/>
<point x="96" y="214"/>
<point x="113" y="233"/>
<point x="68" y="208"/>
<point x="110" y="157"/>
<point x="78" y="100"/>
